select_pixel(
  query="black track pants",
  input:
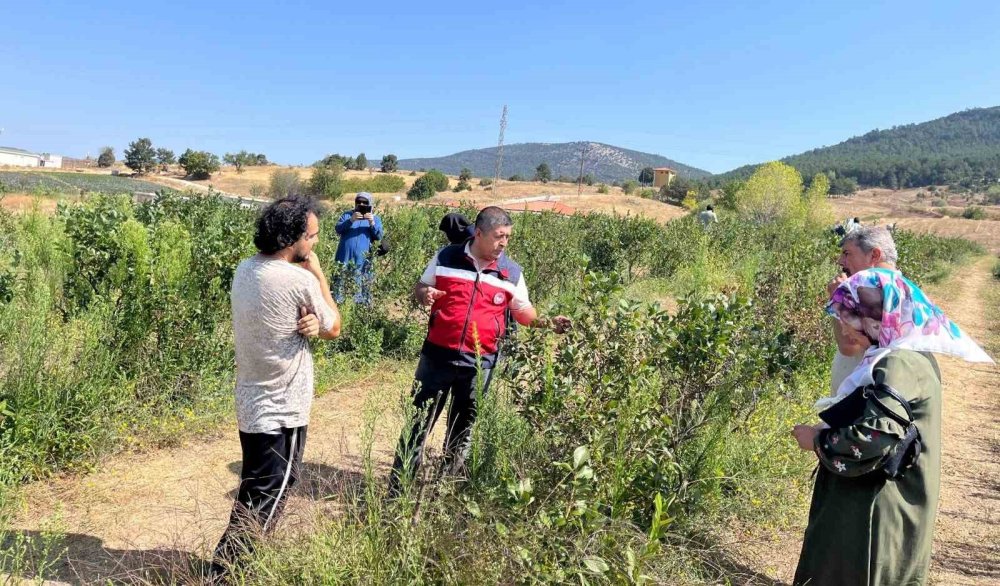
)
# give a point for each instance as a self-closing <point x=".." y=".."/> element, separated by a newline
<point x="270" y="468"/>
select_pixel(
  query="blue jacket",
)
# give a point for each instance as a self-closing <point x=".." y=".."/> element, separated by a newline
<point x="356" y="239"/>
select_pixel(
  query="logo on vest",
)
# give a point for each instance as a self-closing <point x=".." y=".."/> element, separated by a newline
<point x="498" y="299"/>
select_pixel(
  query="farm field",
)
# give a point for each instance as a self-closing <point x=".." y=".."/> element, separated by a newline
<point x="122" y="469"/>
<point x="75" y="183"/>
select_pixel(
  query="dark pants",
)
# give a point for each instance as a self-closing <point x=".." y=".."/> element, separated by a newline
<point x="270" y="468"/>
<point x="434" y="383"/>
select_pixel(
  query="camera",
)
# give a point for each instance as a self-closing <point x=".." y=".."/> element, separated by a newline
<point x="363" y="208"/>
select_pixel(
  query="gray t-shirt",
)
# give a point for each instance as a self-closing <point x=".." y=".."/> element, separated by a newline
<point x="274" y="366"/>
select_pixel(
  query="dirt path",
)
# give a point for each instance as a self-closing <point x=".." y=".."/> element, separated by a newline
<point x="967" y="531"/>
<point x="168" y="508"/>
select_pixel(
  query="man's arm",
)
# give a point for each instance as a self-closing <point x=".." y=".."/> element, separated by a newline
<point x="525" y="313"/>
<point x="424" y="292"/>
<point x="529" y="317"/>
<point x="310" y="323"/>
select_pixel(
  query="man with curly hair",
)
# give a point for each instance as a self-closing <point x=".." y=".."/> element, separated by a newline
<point x="280" y="299"/>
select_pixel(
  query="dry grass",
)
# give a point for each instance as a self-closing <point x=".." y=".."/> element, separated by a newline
<point x="903" y="207"/>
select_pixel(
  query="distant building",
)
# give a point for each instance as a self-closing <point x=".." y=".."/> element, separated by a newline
<point x="50" y="160"/>
<point x="22" y="158"/>
<point x="663" y="176"/>
<point x="19" y="158"/>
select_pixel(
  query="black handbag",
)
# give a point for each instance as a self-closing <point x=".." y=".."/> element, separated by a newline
<point x="851" y="408"/>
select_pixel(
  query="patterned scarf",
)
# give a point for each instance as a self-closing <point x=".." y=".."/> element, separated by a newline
<point x="891" y="308"/>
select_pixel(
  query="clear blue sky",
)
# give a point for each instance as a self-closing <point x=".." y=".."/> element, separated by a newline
<point x="714" y="85"/>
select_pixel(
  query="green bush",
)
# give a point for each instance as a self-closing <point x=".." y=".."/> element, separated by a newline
<point x="326" y="182"/>
<point x="515" y="177"/>
<point x="543" y="173"/>
<point x="383" y="183"/>
<point x="940" y="202"/>
<point x="438" y="180"/>
<point x="199" y="164"/>
<point x="140" y="156"/>
<point x="485" y="181"/>
<point x="283" y="183"/>
<point x="974" y="213"/>
<point x="422" y="188"/>
<point x="603" y="188"/>
<point x="926" y="258"/>
<point x="389" y="163"/>
<point x="629" y="186"/>
<point x="106" y="158"/>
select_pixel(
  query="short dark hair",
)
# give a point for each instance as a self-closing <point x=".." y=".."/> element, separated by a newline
<point x="708" y="208"/>
<point x="282" y="223"/>
<point x="492" y="217"/>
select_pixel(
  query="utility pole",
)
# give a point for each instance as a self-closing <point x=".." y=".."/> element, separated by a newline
<point x="583" y="159"/>
<point x="496" y="172"/>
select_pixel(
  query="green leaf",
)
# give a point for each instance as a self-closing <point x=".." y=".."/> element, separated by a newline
<point x="596" y="565"/>
<point x="580" y="456"/>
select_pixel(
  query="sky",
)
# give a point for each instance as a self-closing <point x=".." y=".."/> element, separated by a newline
<point x="711" y="84"/>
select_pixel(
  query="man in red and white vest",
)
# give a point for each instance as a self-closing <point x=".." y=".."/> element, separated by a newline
<point x="470" y="288"/>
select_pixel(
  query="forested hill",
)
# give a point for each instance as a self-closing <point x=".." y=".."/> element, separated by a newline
<point x="962" y="148"/>
<point x="605" y="162"/>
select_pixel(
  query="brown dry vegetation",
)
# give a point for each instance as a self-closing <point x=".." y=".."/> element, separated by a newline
<point x="907" y="210"/>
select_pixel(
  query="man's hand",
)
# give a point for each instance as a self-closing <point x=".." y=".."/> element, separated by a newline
<point x="356" y="216"/>
<point x="805" y="435"/>
<point x="429" y="295"/>
<point x="370" y="217"/>
<point x="308" y="324"/>
<point x="312" y="265"/>
<point x="832" y="285"/>
<point x="561" y="324"/>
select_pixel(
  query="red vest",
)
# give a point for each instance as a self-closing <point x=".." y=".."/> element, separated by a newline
<point x="471" y="319"/>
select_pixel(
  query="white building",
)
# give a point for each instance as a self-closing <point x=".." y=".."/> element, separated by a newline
<point x="50" y="160"/>
<point x="19" y="158"/>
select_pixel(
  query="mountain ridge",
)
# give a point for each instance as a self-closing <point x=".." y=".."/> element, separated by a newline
<point x="605" y="162"/>
<point x="959" y="147"/>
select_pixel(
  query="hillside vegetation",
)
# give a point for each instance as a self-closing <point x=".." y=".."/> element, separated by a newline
<point x="963" y="148"/>
<point x="604" y="162"/>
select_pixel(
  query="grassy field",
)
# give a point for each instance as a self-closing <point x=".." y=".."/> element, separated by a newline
<point x="54" y="182"/>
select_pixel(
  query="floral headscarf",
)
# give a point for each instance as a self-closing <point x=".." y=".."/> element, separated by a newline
<point x="901" y="316"/>
<point x="909" y="320"/>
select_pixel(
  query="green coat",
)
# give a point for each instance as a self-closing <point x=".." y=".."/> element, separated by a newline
<point x="865" y="530"/>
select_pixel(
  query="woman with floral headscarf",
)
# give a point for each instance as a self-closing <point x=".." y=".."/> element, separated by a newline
<point x="875" y="499"/>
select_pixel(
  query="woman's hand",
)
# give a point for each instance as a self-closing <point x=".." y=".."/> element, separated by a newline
<point x="805" y="435"/>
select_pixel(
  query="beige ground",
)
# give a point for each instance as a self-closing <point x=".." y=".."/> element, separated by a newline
<point x="254" y="179"/>
<point x="168" y="508"/>
<point x="967" y="533"/>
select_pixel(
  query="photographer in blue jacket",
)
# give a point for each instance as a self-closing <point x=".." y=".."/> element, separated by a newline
<point x="357" y="229"/>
